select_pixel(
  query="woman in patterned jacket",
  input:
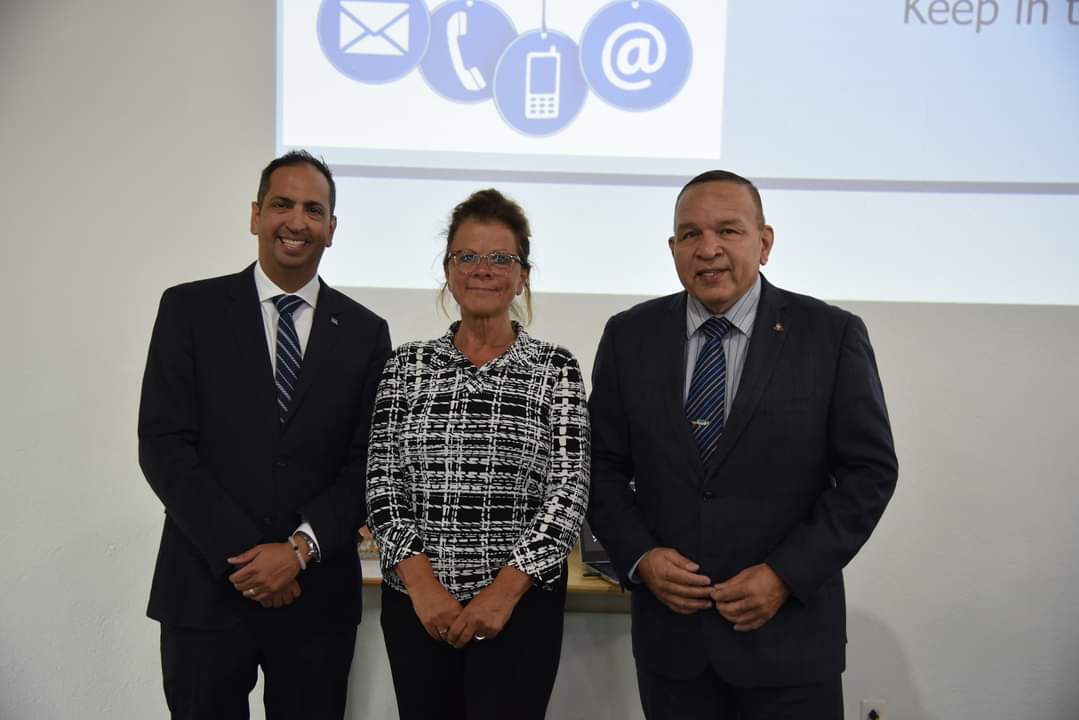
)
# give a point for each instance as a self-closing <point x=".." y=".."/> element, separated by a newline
<point x="477" y="486"/>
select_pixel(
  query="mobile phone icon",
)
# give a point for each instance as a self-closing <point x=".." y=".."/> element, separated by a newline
<point x="470" y="77"/>
<point x="542" y="87"/>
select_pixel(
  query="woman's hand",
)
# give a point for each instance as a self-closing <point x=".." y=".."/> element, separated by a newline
<point x="433" y="604"/>
<point x="489" y="611"/>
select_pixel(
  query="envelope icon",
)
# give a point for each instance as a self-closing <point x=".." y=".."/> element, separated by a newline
<point x="374" y="28"/>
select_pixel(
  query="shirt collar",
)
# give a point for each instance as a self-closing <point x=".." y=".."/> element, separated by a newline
<point x="267" y="288"/>
<point x="741" y="314"/>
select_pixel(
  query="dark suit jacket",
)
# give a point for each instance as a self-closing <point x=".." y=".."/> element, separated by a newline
<point x="230" y="474"/>
<point x="801" y="476"/>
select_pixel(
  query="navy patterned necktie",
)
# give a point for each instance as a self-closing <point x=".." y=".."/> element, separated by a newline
<point x="289" y="355"/>
<point x="708" y="391"/>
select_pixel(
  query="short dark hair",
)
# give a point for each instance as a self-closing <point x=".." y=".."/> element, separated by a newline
<point x="726" y="176"/>
<point x="296" y="157"/>
<point x="492" y="206"/>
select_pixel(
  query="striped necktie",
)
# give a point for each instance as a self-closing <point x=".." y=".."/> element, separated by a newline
<point x="708" y="391"/>
<point x="289" y="355"/>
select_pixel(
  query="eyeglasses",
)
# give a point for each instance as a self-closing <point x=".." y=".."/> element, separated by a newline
<point x="499" y="262"/>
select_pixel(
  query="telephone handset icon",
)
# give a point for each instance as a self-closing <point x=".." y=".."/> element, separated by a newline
<point x="471" y="77"/>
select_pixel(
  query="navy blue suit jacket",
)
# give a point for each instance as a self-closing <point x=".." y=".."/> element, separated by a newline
<point x="801" y="475"/>
<point x="230" y="474"/>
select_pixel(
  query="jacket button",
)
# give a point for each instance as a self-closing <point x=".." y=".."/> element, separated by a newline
<point x="709" y="495"/>
<point x="267" y="520"/>
<point x="280" y="463"/>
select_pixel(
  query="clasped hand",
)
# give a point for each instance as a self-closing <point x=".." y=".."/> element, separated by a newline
<point x="673" y="578"/>
<point x="751" y="598"/>
<point x="267" y="574"/>
<point x="748" y="600"/>
<point x="445" y="619"/>
<point x="489" y="611"/>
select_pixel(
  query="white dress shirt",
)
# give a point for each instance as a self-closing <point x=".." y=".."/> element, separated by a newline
<point x="302" y="317"/>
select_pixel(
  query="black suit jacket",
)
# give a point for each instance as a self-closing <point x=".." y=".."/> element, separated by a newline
<point x="802" y="473"/>
<point x="230" y="474"/>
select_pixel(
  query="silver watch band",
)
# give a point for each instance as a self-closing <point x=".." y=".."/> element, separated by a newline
<point x="316" y="556"/>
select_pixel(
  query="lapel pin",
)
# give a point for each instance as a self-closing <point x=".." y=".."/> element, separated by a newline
<point x="333" y="319"/>
<point x="778" y="327"/>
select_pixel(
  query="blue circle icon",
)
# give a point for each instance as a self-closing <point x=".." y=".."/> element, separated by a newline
<point x="539" y="88"/>
<point x="374" y="41"/>
<point x="467" y="38"/>
<point x="636" y="55"/>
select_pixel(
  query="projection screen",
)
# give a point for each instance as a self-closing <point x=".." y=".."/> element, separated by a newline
<point x="906" y="150"/>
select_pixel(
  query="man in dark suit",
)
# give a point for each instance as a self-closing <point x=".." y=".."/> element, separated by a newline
<point x="741" y="455"/>
<point x="253" y="428"/>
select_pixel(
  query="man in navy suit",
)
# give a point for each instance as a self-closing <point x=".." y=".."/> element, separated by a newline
<point x="741" y="455"/>
<point x="253" y="425"/>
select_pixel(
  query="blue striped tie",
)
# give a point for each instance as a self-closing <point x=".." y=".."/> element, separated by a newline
<point x="708" y="391"/>
<point x="289" y="355"/>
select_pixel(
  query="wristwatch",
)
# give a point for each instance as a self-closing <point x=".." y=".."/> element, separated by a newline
<point x="312" y="547"/>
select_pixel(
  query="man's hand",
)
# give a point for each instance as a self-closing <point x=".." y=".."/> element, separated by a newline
<point x="751" y="598"/>
<point x="433" y="604"/>
<point x="283" y="598"/>
<point x="674" y="580"/>
<point x="490" y="610"/>
<point x="265" y="570"/>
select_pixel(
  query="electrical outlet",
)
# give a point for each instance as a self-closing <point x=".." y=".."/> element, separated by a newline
<point x="873" y="710"/>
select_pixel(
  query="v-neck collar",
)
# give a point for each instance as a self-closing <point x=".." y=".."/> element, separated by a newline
<point x="520" y="353"/>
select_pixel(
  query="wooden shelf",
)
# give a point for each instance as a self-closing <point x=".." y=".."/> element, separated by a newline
<point x="582" y="581"/>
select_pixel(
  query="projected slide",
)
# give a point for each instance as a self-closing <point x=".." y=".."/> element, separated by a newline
<point x="905" y="90"/>
<point x="907" y="150"/>
<point x="584" y="87"/>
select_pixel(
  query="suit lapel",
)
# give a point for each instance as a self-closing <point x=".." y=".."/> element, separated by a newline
<point x="769" y="333"/>
<point x="325" y="331"/>
<point x="249" y="335"/>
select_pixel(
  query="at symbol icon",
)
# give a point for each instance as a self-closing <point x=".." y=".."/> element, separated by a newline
<point x="634" y="56"/>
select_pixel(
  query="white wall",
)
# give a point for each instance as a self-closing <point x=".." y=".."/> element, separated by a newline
<point x="132" y="134"/>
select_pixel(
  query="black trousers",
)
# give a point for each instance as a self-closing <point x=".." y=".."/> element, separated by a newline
<point x="710" y="698"/>
<point x="209" y="674"/>
<point x="508" y="676"/>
